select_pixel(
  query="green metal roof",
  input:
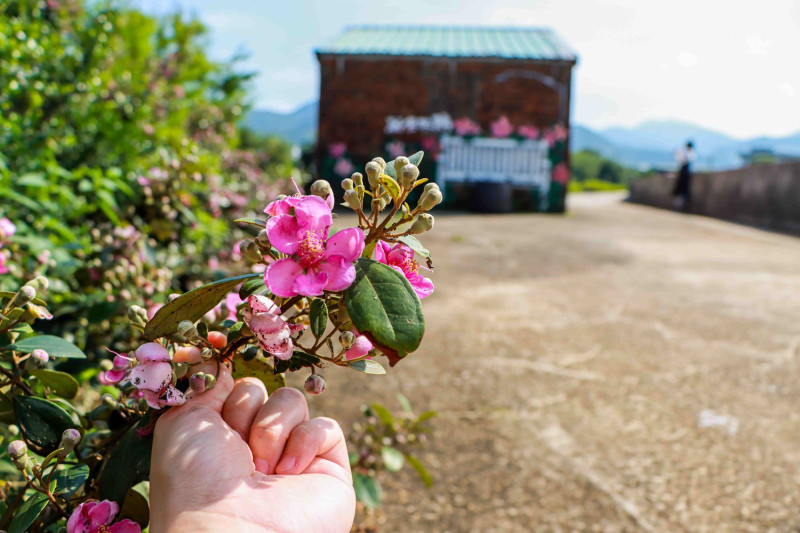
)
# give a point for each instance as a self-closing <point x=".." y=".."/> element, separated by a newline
<point x="451" y="41"/>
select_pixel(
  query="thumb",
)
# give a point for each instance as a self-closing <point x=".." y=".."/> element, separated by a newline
<point x="215" y="397"/>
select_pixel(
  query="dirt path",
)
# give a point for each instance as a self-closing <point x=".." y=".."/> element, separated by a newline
<point x="573" y="360"/>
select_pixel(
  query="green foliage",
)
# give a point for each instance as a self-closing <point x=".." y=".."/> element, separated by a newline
<point x="42" y="422"/>
<point x="588" y="167"/>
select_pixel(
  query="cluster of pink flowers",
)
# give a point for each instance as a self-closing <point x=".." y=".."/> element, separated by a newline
<point x="502" y="128"/>
<point x="7" y="229"/>
<point x="150" y="371"/>
<point x="465" y="126"/>
<point x="93" y="516"/>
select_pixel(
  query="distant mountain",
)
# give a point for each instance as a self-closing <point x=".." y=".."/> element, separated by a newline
<point x="651" y="144"/>
<point x="297" y="127"/>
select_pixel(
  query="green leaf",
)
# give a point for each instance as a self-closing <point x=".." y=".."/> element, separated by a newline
<point x="128" y="464"/>
<point x="318" y="316"/>
<point x="383" y="414"/>
<point x="251" y="286"/>
<point x="404" y="403"/>
<point x="59" y="383"/>
<point x="424" y="475"/>
<point x="384" y="307"/>
<point x="427" y="415"/>
<point x="393" y="458"/>
<point x="34" y="179"/>
<point x="252" y="221"/>
<point x="296" y="362"/>
<point x="413" y="243"/>
<point x="135" y="507"/>
<point x="69" y="480"/>
<point x="27" y="513"/>
<point x="260" y="369"/>
<point x="191" y="306"/>
<point x="54" y="346"/>
<point x="237" y="330"/>
<point x="102" y="311"/>
<point x="368" y="367"/>
<point x="368" y="490"/>
<point x="42" y="422"/>
<point x="415" y="159"/>
<point x="353" y="457"/>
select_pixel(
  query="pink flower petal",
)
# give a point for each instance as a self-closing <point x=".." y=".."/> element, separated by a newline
<point x="283" y="351"/>
<point x="152" y="399"/>
<point x="172" y="396"/>
<point x="360" y="348"/>
<point x="312" y="283"/>
<point x="381" y="251"/>
<point x="79" y="521"/>
<point x="421" y="285"/>
<point x="152" y="376"/>
<point x="114" y="375"/>
<point x="339" y="273"/>
<point x="399" y="254"/>
<point x="152" y="351"/>
<point x="262" y="304"/>
<point x="232" y="302"/>
<point x="125" y="526"/>
<point x="103" y="513"/>
<point x="280" y="277"/>
<point x="348" y="243"/>
<point x="330" y="200"/>
<point x="266" y="323"/>
<point x="313" y="215"/>
<point x="282" y="207"/>
<point x="284" y="233"/>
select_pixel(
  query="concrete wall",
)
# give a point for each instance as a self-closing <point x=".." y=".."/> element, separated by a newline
<point x="765" y="195"/>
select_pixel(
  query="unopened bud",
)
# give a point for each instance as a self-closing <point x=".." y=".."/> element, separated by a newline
<point x="429" y="199"/>
<point x="347" y="184"/>
<point x="18" y="451"/>
<point x="198" y="382"/>
<point x="347" y="338"/>
<point x="280" y="197"/>
<point x="143" y="405"/>
<point x="251" y="252"/>
<point x="206" y="354"/>
<point x="423" y="223"/>
<point x="373" y="170"/>
<point x="399" y="163"/>
<point x="408" y="175"/>
<point x="137" y="315"/>
<point x="180" y="369"/>
<point x="250" y="353"/>
<point x="211" y="381"/>
<point x="106" y="365"/>
<point x="262" y="239"/>
<point x="315" y="384"/>
<point x="69" y="439"/>
<point x="25" y="295"/>
<point x="108" y="401"/>
<point x="382" y="163"/>
<point x="37" y="359"/>
<point x="358" y="179"/>
<point x="352" y="199"/>
<point x="321" y="188"/>
<point x="39" y="283"/>
<point x="187" y="330"/>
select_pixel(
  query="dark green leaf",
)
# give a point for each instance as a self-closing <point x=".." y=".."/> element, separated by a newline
<point x="368" y="367"/>
<point x="296" y="362"/>
<point x="191" y="306"/>
<point x="70" y="479"/>
<point x="318" y="316"/>
<point x="202" y="329"/>
<point x="135" y="507"/>
<point x="252" y="221"/>
<point x="102" y="311"/>
<point x="260" y="369"/>
<point x="393" y="458"/>
<point x="27" y="513"/>
<point x="368" y="490"/>
<point x="384" y="307"/>
<point x="415" y="159"/>
<point x="237" y="330"/>
<point x="42" y="422"/>
<point x="424" y="475"/>
<point x="251" y="286"/>
<point x="54" y="346"/>
<point x="59" y="383"/>
<point x="128" y="464"/>
<point x="383" y="414"/>
<point x="413" y="243"/>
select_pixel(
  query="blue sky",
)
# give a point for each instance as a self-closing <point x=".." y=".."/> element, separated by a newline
<point x="726" y="65"/>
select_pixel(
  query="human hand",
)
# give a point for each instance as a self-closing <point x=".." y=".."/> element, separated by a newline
<point x="232" y="460"/>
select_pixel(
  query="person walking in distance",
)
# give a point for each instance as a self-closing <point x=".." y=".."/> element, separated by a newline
<point x="683" y="187"/>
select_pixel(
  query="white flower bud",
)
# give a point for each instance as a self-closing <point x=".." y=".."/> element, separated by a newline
<point x="399" y="163"/>
<point x="352" y="199"/>
<point x="373" y="170"/>
<point x="321" y="188"/>
<point x="423" y="223"/>
<point x="408" y="175"/>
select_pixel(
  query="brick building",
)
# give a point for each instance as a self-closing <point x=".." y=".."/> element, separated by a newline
<point x="489" y="106"/>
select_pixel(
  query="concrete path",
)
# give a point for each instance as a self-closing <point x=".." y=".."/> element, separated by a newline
<point x="619" y="368"/>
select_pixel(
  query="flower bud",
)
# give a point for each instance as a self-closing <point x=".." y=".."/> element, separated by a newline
<point x="211" y="381"/>
<point x="250" y="353"/>
<point x="352" y="199"/>
<point x="423" y="223"/>
<point x="321" y="188"/>
<point x="137" y="315"/>
<point x="106" y="365"/>
<point x="263" y="239"/>
<point x="198" y="382"/>
<point x="180" y="369"/>
<point x="399" y="163"/>
<point x="109" y="401"/>
<point x="187" y="330"/>
<point x="315" y="384"/>
<point x="40" y="356"/>
<point x="280" y="197"/>
<point x="251" y="252"/>
<point x="39" y="283"/>
<point x="347" y="184"/>
<point x="430" y="198"/>
<point x="69" y="439"/>
<point x="347" y="338"/>
<point x="18" y="451"/>
<point x="206" y="354"/>
<point x="25" y="295"/>
<point x="408" y="175"/>
<point x="373" y="170"/>
<point x="358" y="179"/>
<point x="381" y="162"/>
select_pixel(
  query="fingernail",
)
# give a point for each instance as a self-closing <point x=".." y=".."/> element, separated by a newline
<point x="261" y="465"/>
<point x="286" y="464"/>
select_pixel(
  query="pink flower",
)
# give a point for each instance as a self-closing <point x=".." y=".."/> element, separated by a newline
<point x="502" y="128"/>
<point x="316" y="262"/>
<point x="549" y="137"/>
<point x="7" y="228"/>
<point x="360" y="347"/>
<point x="120" y="369"/>
<point x="401" y="258"/>
<point x="274" y="334"/>
<point x="232" y="302"/>
<point x="343" y="167"/>
<point x="396" y="149"/>
<point x="4" y="256"/>
<point x="337" y="150"/>
<point x="465" y="126"/>
<point x="152" y="310"/>
<point x="96" y="517"/>
<point x="560" y="174"/>
<point x="529" y="132"/>
<point x="153" y="376"/>
<point x="560" y="132"/>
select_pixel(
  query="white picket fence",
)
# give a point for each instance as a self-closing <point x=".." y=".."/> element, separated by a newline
<point x="501" y="160"/>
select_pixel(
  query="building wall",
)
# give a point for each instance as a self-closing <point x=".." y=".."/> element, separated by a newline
<point x="357" y="94"/>
<point x="766" y="195"/>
